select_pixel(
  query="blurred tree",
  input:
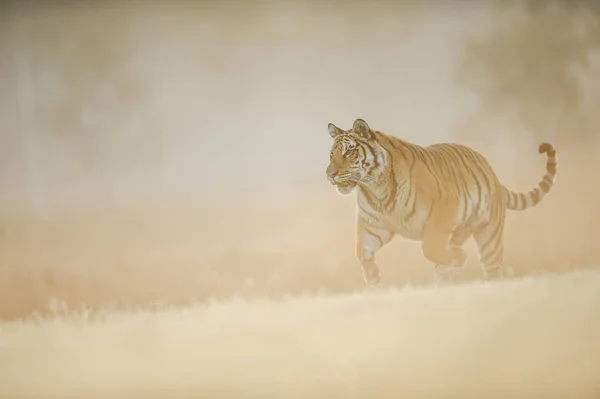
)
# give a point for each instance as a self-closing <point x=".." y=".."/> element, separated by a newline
<point x="87" y="92"/>
<point x="87" y="95"/>
<point x="532" y="65"/>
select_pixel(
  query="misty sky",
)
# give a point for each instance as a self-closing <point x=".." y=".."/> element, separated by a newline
<point x="208" y="101"/>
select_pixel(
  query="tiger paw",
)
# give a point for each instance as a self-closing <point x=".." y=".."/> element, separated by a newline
<point x="493" y="274"/>
<point x="442" y="275"/>
<point x="371" y="275"/>
<point x="460" y="257"/>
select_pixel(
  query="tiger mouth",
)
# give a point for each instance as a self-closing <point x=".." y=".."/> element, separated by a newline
<point x="345" y="187"/>
<point x="345" y="184"/>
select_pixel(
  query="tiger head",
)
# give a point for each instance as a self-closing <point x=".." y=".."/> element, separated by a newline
<point x="354" y="156"/>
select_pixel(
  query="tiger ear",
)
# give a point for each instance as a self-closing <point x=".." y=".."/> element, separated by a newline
<point x="361" y="128"/>
<point x="333" y="130"/>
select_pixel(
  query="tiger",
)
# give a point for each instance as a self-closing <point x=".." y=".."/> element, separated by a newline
<point x="439" y="195"/>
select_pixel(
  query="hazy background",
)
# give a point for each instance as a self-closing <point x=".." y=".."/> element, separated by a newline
<point x="176" y="151"/>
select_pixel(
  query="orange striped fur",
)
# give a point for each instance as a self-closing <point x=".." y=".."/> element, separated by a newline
<point x="440" y="195"/>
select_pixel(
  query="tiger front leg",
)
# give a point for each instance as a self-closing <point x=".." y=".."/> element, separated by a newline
<point x="370" y="239"/>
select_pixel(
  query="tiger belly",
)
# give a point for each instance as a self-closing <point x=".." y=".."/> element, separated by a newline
<point x="409" y="223"/>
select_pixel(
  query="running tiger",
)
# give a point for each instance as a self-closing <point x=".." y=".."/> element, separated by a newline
<point x="439" y="195"/>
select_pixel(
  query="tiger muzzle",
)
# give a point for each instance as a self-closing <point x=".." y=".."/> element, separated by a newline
<point x="331" y="175"/>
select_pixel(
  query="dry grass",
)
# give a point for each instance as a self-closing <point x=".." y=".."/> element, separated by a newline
<point x="532" y="337"/>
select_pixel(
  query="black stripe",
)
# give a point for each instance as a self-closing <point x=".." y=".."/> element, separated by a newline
<point x="417" y="152"/>
<point x="535" y="195"/>
<point x="479" y="200"/>
<point x="455" y="153"/>
<point x="444" y="162"/>
<point x="509" y="198"/>
<point x="372" y="151"/>
<point x="513" y="199"/>
<point x="392" y="191"/>
<point x="373" y="234"/>
<point x="397" y="144"/>
<point x="413" y="208"/>
<point x="498" y="226"/>
<point x="428" y="164"/>
<point x="468" y="200"/>
<point x="369" y="214"/>
<point x="362" y="156"/>
<point x="410" y="172"/>
<point x="368" y="197"/>
<point x="458" y="179"/>
<point x="465" y="187"/>
<point x="429" y="211"/>
<point x="494" y="258"/>
<point x="545" y="186"/>
<point x="477" y="177"/>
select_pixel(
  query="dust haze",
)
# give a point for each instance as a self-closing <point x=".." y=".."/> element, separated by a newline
<point x="173" y="154"/>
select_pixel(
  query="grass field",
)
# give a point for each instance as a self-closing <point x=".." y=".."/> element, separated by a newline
<point x="531" y="337"/>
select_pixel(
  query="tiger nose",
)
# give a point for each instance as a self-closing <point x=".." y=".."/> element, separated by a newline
<point x="331" y="176"/>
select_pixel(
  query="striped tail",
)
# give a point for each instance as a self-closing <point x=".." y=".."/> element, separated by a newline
<point x="522" y="201"/>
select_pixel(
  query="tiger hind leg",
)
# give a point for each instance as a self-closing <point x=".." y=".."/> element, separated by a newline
<point x="443" y="273"/>
<point x="491" y="250"/>
<point x="437" y="236"/>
